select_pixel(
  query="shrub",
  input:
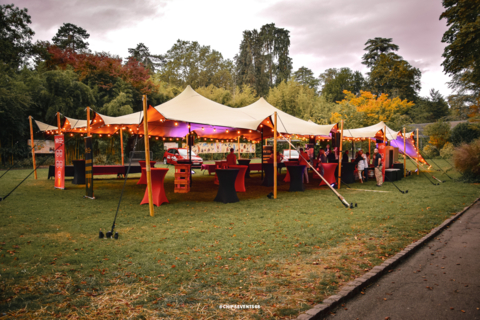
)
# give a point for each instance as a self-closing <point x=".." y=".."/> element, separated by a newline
<point x="100" y="159"/>
<point x="466" y="160"/>
<point x="447" y="150"/>
<point x="430" y="151"/>
<point x="439" y="132"/>
<point x="464" y="133"/>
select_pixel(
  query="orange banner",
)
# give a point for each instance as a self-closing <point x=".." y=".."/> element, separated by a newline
<point x="60" y="162"/>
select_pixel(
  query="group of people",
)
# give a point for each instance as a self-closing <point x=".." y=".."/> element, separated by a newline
<point x="361" y="160"/>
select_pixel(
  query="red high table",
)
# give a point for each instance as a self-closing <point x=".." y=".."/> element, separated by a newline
<point x="143" y="177"/>
<point x="240" y="180"/>
<point x="158" y="191"/>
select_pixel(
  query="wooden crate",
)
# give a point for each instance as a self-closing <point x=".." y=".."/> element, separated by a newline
<point x="182" y="186"/>
<point x="182" y="178"/>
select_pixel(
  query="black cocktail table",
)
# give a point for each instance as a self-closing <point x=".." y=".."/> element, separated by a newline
<point x="245" y="162"/>
<point x="226" y="189"/>
<point x="296" y="178"/>
<point x="79" y="171"/>
<point x="268" y="180"/>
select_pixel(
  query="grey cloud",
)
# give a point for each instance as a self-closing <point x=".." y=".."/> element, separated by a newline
<point x="335" y="32"/>
<point x="97" y="17"/>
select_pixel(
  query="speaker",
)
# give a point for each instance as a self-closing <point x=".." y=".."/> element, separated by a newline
<point x="191" y="140"/>
<point x="336" y="140"/>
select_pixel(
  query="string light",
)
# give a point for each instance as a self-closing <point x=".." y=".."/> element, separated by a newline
<point x="176" y="123"/>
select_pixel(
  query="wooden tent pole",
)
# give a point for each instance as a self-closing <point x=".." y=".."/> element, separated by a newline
<point x="340" y="156"/>
<point x="88" y="121"/>
<point x="275" y="156"/>
<point x="147" y="157"/>
<point x="58" y="123"/>
<point x="33" y="147"/>
<point x="121" y="145"/>
<point x="238" y="147"/>
<point x="404" y="155"/>
<point x="418" y="153"/>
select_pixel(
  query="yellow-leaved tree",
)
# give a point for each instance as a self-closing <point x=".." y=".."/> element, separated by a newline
<point x="373" y="109"/>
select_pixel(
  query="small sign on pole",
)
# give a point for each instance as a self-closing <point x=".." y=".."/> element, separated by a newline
<point x="60" y="162"/>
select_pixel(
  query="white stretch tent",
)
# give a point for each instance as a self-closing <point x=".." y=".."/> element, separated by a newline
<point x="371" y="132"/>
<point x="287" y="124"/>
<point x="45" y="127"/>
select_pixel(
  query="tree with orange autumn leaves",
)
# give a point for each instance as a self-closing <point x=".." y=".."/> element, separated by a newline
<point x="367" y="109"/>
<point x="102" y="69"/>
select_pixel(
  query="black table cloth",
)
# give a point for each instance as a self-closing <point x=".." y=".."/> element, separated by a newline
<point x="296" y="178"/>
<point x="348" y="170"/>
<point x="245" y="162"/>
<point x="226" y="188"/>
<point x="79" y="171"/>
<point x="268" y="180"/>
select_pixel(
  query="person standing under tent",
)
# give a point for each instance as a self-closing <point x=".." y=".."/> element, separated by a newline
<point x="321" y="160"/>
<point x="231" y="158"/>
<point x="360" y="160"/>
<point x="303" y="161"/>
<point x="367" y="164"/>
<point x="310" y="152"/>
<point x="345" y="156"/>
<point x="377" y="164"/>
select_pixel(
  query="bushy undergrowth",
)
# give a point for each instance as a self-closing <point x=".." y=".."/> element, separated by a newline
<point x="467" y="160"/>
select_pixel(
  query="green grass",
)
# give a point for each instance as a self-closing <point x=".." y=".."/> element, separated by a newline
<point x="195" y="254"/>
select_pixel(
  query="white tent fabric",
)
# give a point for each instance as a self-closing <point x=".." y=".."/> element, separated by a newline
<point x="191" y="107"/>
<point x="289" y="124"/>
<point x="128" y="119"/>
<point x="75" y="123"/>
<point x="370" y="132"/>
<point x="45" y="127"/>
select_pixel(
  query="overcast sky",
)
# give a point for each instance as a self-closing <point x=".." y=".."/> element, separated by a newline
<point x="324" y="34"/>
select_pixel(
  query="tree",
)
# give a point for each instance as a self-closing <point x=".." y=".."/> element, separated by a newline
<point x="461" y="55"/>
<point x="374" y="109"/>
<point x="376" y="47"/>
<point x="336" y="81"/>
<point x="464" y="133"/>
<point x="264" y="59"/>
<point x="439" y="132"/>
<point x="430" y="109"/>
<point x="396" y="77"/>
<point x="189" y="63"/>
<point x="15" y="35"/>
<point x="71" y="36"/>
<point x="241" y="97"/>
<point x="142" y="54"/>
<point x="14" y="101"/>
<point x="300" y="101"/>
<point x="306" y="77"/>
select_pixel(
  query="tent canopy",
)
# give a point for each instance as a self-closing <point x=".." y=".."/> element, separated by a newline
<point x="287" y="124"/>
<point x="375" y="131"/>
<point x="45" y="127"/>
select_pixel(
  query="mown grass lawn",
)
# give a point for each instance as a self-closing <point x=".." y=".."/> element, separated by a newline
<point x="284" y="255"/>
